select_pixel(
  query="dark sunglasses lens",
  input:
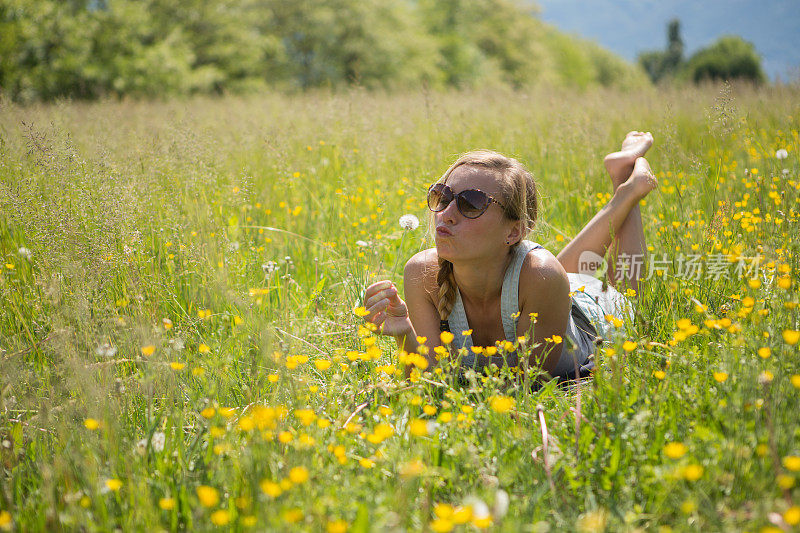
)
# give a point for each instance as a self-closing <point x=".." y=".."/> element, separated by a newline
<point x="439" y="195"/>
<point x="472" y="203"/>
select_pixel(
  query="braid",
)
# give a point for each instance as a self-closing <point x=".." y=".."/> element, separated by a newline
<point x="447" y="288"/>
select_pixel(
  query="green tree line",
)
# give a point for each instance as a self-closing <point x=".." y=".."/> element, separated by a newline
<point x="87" y="49"/>
<point x="729" y="57"/>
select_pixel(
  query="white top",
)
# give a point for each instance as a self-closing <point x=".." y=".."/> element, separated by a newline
<point x="578" y="344"/>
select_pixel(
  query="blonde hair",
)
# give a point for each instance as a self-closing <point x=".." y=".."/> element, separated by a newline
<point x="519" y="199"/>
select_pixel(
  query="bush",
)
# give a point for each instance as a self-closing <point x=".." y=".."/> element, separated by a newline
<point x="731" y="57"/>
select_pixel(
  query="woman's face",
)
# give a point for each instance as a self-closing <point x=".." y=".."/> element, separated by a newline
<point x="459" y="238"/>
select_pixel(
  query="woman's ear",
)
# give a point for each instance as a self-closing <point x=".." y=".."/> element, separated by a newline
<point x="515" y="233"/>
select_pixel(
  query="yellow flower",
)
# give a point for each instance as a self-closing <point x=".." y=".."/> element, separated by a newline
<point x="592" y="522"/>
<point x="208" y="496"/>
<point x="762" y="449"/>
<point x="660" y="374"/>
<point x="442" y="525"/>
<point x="203" y="348"/>
<point x="285" y="437"/>
<point x="220" y="517"/>
<point x="795" y="380"/>
<point x="629" y="346"/>
<point x="675" y="450"/>
<point x="754" y="283"/>
<point x="792" y="463"/>
<point x="429" y="410"/>
<point x="322" y="364"/>
<point x="177" y="366"/>
<point x="113" y="484"/>
<point x="360" y="311"/>
<point x="418" y="428"/>
<point x="91" y="424"/>
<point x="446" y="337"/>
<point x="692" y="472"/>
<point x="784" y="282"/>
<point x="148" y="350"/>
<point x="792" y="515"/>
<point x="785" y="482"/>
<point x="791" y="336"/>
<point x="5" y="520"/>
<point x="482" y="522"/>
<point x="462" y="515"/>
<point x="764" y="352"/>
<point x="167" y="323"/>
<point x="167" y="504"/>
<point x="366" y="463"/>
<point x="502" y="404"/>
<point x="293" y="515"/>
<point x="337" y="526"/>
<point x="720" y="376"/>
<point x="208" y="412"/>
<point x="271" y="488"/>
<point x="298" y="474"/>
<point x="412" y="468"/>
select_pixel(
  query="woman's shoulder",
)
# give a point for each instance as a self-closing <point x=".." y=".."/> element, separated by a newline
<point x="421" y="271"/>
<point x="542" y="274"/>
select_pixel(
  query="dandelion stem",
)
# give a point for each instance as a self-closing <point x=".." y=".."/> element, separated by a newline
<point x="397" y="257"/>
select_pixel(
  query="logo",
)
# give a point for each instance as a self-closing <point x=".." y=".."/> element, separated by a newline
<point x="592" y="265"/>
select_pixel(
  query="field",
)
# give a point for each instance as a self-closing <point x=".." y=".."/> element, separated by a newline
<point x="180" y="350"/>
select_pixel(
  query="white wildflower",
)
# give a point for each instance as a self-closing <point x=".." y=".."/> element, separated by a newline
<point x="159" y="439"/>
<point x="362" y="244"/>
<point x="501" y="503"/>
<point x="233" y="246"/>
<point x="782" y="154"/>
<point x="479" y="508"/>
<point x="25" y="252"/>
<point x="269" y="267"/>
<point x="141" y="446"/>
<point x="409" y="222"/>
<point x="106" y="350"/>
<point x="176" y="344"/>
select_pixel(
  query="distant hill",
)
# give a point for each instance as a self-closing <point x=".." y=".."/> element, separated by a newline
<point x="628" y="27"/>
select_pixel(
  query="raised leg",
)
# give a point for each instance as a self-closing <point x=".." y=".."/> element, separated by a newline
<point x="616" y="228"/>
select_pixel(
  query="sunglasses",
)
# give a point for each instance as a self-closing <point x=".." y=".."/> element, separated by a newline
<point x="471" y="203"/>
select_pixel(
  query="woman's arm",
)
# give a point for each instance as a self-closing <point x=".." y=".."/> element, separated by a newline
<point x="421" y="294"/>
<point x="543" y="292"/>
<point x="417" y="316"/>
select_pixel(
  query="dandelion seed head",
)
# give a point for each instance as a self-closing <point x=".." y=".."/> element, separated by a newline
<point x="409" y="222"/>
<point x="781" y="154"/>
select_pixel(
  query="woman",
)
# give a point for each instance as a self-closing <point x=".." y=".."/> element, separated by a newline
<point x="485" y="283"/>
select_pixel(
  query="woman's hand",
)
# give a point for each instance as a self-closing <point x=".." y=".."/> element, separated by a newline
<point x="387" y="310"/>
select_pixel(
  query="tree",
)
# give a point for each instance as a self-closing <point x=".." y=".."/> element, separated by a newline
<point x="665" y="64"/>
<point x="729" y="58"/>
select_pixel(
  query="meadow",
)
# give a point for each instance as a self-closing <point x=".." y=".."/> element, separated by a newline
<point x="179" y="348"/>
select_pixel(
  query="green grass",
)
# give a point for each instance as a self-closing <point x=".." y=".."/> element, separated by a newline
<point x="134" y="213"/>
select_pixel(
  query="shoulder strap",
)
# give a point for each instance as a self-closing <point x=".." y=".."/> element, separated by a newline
<point x="457" y="323"/>
<point x="509" y="298"/>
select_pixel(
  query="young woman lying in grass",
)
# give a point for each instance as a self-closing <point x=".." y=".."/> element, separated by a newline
<point x="486" y="284"/>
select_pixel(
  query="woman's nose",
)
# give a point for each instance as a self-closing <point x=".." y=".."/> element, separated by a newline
<point x="449" y="213"/>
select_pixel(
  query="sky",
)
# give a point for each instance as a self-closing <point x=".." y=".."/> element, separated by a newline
<point x="628" y="27"/>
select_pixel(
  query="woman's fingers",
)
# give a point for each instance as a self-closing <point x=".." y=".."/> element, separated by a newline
<point x="371" y="297"/>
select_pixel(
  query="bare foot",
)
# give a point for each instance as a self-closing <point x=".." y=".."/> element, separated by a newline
<point x="620" y="164"/>
<point x="642" y="180"/>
